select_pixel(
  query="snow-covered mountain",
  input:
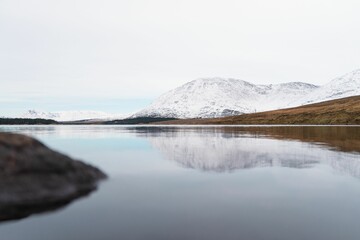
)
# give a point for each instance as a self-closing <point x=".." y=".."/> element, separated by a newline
<point x="63" y="116"/>
<point x="341" y="87"/>
<point x="217" y="97"/>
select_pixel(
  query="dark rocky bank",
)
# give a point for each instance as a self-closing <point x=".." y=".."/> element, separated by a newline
<point x="34" y="178"/>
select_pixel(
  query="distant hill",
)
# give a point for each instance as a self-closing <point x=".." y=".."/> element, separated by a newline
<point x="341" y="111"/>
<point x="68" y="116"/>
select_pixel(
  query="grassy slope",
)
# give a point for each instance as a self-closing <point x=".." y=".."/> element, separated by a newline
<point x="340" y="111"/>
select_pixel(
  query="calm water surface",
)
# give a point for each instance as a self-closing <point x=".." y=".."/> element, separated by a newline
<point x="205" y="183"/>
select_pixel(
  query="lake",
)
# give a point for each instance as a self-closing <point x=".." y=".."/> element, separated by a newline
<point x="205" y="182"/>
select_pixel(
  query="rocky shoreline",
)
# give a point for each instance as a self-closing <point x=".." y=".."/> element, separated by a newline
<point x="34" y="178"/>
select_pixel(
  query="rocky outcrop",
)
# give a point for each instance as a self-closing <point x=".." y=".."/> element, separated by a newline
<point x="34" y="178"/>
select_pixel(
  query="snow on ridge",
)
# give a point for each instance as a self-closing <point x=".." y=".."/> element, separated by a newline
<point x="218" y="97"/>
<point x="202" y="97"/>
<point x="345" y="86"/>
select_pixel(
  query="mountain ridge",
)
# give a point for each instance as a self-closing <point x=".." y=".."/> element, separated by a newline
<point x="217" y="97"/>
<point x="221" y="97"/>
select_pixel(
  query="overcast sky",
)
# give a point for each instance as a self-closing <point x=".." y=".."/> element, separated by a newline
<point x="118" y="55"/>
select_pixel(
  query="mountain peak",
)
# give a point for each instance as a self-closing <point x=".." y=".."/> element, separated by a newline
<point x="353" y="76"/>
<point x="356" y="71"/>
<point x="341" y="87"/>
<point x="218" y="97"/>
<point x="217" y="80"/>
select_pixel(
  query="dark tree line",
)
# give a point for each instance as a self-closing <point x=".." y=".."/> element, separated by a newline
<point x="25" y="121"/>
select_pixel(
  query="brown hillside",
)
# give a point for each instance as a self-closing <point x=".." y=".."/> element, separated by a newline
<point x="341" y="111"/>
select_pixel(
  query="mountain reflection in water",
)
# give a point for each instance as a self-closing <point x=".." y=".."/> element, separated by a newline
<point x="227" y="148"/>
<point x="224" y="149"/>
